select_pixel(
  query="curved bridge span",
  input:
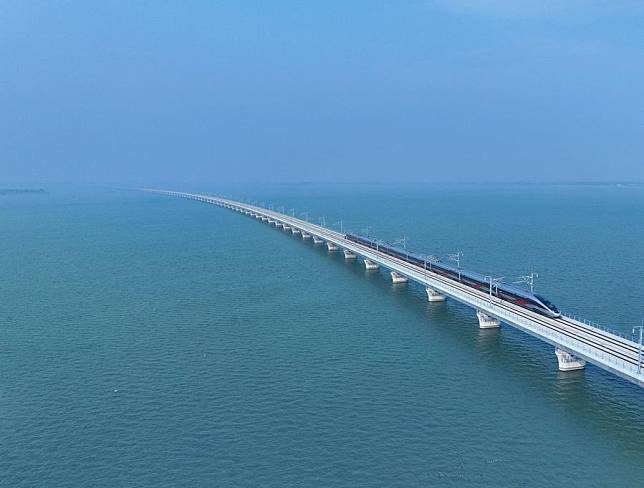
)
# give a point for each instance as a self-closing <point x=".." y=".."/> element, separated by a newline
<point x="575" y="342"/>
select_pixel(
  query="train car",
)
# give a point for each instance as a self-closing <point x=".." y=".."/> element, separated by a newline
<point x="513" y="294"/>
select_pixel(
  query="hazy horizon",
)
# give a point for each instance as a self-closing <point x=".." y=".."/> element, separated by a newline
<point x="443" y="91"/>
<point x="442" y="286"/>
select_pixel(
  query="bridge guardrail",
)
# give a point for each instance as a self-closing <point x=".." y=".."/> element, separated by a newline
<point x="574" y="346"/>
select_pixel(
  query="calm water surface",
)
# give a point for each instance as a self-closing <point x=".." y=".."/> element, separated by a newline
<point x="150" y="341"/>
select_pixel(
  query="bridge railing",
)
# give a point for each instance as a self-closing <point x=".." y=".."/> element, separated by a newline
<point x="556" y="338"/>
<point x="610" y="330"/>
<point x="574" y="346"/>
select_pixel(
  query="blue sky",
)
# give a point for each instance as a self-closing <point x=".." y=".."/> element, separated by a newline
<point x="290" y="91"/>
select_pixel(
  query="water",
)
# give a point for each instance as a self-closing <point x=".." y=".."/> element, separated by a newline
<point x="150" y="341"/>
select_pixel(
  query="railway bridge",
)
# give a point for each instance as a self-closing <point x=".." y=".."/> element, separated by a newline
<point x="575" y="343"/>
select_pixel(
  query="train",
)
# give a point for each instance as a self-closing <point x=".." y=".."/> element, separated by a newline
<point x="513" y="294"/>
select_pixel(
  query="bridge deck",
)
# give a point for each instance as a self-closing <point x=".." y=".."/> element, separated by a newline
<point x="608" y="351"/>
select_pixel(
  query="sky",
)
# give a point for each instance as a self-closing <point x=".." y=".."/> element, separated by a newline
<point x="142" y="92"/>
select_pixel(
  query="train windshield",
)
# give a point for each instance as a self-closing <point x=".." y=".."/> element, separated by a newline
<point x="548" y="304"/>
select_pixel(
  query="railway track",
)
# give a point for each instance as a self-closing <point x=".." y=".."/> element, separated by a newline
<point x="608" y="351"/>
<point x="589" y="336"/>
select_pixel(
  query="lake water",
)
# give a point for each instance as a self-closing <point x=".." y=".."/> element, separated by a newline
<point x="153" y="341"/>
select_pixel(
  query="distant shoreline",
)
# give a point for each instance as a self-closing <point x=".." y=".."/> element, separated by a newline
<point x="19" y="191"/>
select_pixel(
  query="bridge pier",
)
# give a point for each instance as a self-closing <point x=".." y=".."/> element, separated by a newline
<point x="306" y="236"/>
<point x="575" y="343"/>
<point x="398" y="278"/>
<point x="331" y="247"/>
<point x="349" y="255"/>
<point x="369" y="265"/>
<point x="295" y="231"/>
<point x="487" y="322"/>
<point x="434" y="296"/>
<point x="568" y="362"/>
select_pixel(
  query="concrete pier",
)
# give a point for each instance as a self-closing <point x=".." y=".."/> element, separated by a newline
<point x="370" y="265"/>
<point x="305" y="235"/>
<point x="576" y="342"/>
<point x="349" y="255"/>
<point x="286" y="227"/>
<point x="398" y="278"/>
<point x="331" y="247"/>
<point x="295" y="231"/>
<point x="486" y="321"/>
<point x="568" y="362"/>
<point x="434" y="296"/>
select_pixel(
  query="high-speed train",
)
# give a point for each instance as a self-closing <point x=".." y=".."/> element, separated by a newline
<point x="513" y="294"/>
